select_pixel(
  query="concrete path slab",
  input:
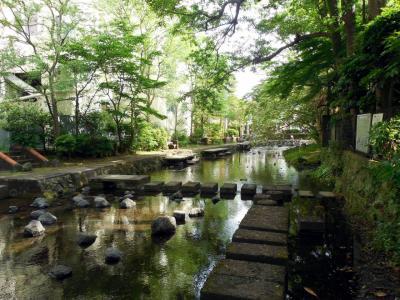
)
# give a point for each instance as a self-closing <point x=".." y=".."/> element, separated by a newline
<point x="154" y="186"/>
<point x="260" y="237"/>
<point x="235" y="279"/>
<point x="172" y="186"/>
<point x="209" y="188"/>
<point x="269" y="254"/>
<point x="248" y="189"/>
<point x="228" y="188"/>
<point x="266" y="218"/>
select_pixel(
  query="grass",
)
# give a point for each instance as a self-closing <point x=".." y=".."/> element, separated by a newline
<point x="304" y="157"/>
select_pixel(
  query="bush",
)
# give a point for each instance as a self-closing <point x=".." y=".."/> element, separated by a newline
<point x="385" y="139"/>
<point x="181" y="137"/>
<point x="65" y="145"/>
<point x="83" y="145"/>
<point x="151" y="138"/>
<point x="232" y="132"/>
<point x="26" y="123"/>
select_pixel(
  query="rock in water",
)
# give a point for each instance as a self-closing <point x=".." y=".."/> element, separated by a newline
<point x="40" y="203"/>
<point x="163" y="226"/>
<point x="101" y="202"/>
<point x="12" y="209"/>
<point x="215" y="199"/>
<point x="34" y="228"/>
<point x="127" y="196"/>
<point x="60" y="272"/>
<point x="85" y="239"/>
<point x="127" y="203"/>
<point x="82" y="203"/>
<point x="176" y="196"/>
<point x="86" y="190"/>
<point x="47" y="218"/>
<point x="77" y="198"/>
<point x="37" y="213"/>
<point x="196" y="212"/>
<point x="113" y="255"/>
<point x="179" y="216"/>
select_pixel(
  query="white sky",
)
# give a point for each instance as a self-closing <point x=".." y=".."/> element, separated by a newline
<point x="246" y="80"/>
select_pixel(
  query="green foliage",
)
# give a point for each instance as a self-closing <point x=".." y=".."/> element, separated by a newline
<point x="385" y="139"/>
<point x="83" y="145"/>
<point x="232" y="132"/>
<point x="26" y="122"/>
<point x="182" y="138"/>
<point x="151" y="138"/>
<point x="304" y="156"/>
<point x="65" y="145"/>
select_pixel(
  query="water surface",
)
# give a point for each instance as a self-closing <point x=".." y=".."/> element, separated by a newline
<point x="150" y="269"/>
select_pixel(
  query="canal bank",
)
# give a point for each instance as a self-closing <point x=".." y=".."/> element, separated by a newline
<point x="71" y="177"/>
<point x="370" y="189"/>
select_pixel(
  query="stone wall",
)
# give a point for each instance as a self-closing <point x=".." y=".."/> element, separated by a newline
<point x="72" y="180"/>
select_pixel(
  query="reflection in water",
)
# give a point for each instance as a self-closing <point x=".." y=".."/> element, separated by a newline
<point x="150" y="269"/>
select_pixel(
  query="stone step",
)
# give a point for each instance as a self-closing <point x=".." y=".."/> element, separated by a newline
<point x="266" y="218"/>
<point x="267" y="202"/>
<point x="228" y="189"/>
<point x="236" y="279"/>
<point x="209" y="188"/>
<point x="260" y="237"/>
<point x="119" y="182"/>
<point x="191" y="187"/>
<point x="270" y="254"/>
<point x="305" y="194"/>
<point x="3" y="192"/>
<point x="154" y="186"/>
<point x="248" y="189"/>
<point x="172" y="186"/>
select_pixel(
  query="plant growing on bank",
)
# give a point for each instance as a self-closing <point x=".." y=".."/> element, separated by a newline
<point x="385" y="139"/>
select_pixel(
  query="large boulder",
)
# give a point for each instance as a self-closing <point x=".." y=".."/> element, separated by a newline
<point x="101" y="202"/>
<point x="37" y="213"/>
<point x="47" y="218"/>
<point x="126" y="196"/>
<point x="113" y="255"/>
<point x="77" y="198"/>
<point x="86" y="190"/>
<point x="196" y="212"/>
<point x="12" y="209"/>
<point x="127" y="203"/>
<point x="163" y="226"/>
<point x="34" y="228"/>
<point x="83" y="203"/>
<point x="40" y="203"/>
<point x="85" y="239"/>
<point x="60" y="272"/>
<point x="179" y="216"/>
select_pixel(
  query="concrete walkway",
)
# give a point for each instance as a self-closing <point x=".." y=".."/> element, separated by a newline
<point x="255" y="264"/>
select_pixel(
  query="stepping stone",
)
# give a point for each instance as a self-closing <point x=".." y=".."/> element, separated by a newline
<point x="267" y="188"/>
<point x="269" y="254"/>
<point x="236" y="279"/>
<point x="172" y="186"/>
<point x="313" y="221"/>
<point x="3" y="192"/>
<point x="228" y="189"/>
<point x="118" y="182"/>
<point x="248" y="189"/>
<point x="60" y="272"/>
<point x="191" y="187"/>
<point x="154" y="186"/>
<point x="306" y="194"/>
<point x="266" y="218"/>
<point x="209" y="188"/>
<point x="179" y="216"/>
<point x="260" y="237"/>
<point x="267" y="202"/>
<point x="258" y="197"/>
<point x="196" y="212"/>
<point x="326" y="195"/>
<point x="278" y="196"/>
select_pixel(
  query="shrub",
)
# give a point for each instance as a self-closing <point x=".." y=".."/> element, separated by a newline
<point x="65" y="145"/>
<point x="232" y="132"/>
<point x="151" y="138"/>
<point x="385" y="138"/>
<point x="182" y="138"/>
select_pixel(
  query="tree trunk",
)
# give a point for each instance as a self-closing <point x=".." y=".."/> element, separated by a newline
<point x="374" y="8"/>
<point x="349" y="19"/>
<point x="334" y="29"/>
<point x="77" y="114"/>
<point x="54" y="107"/>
